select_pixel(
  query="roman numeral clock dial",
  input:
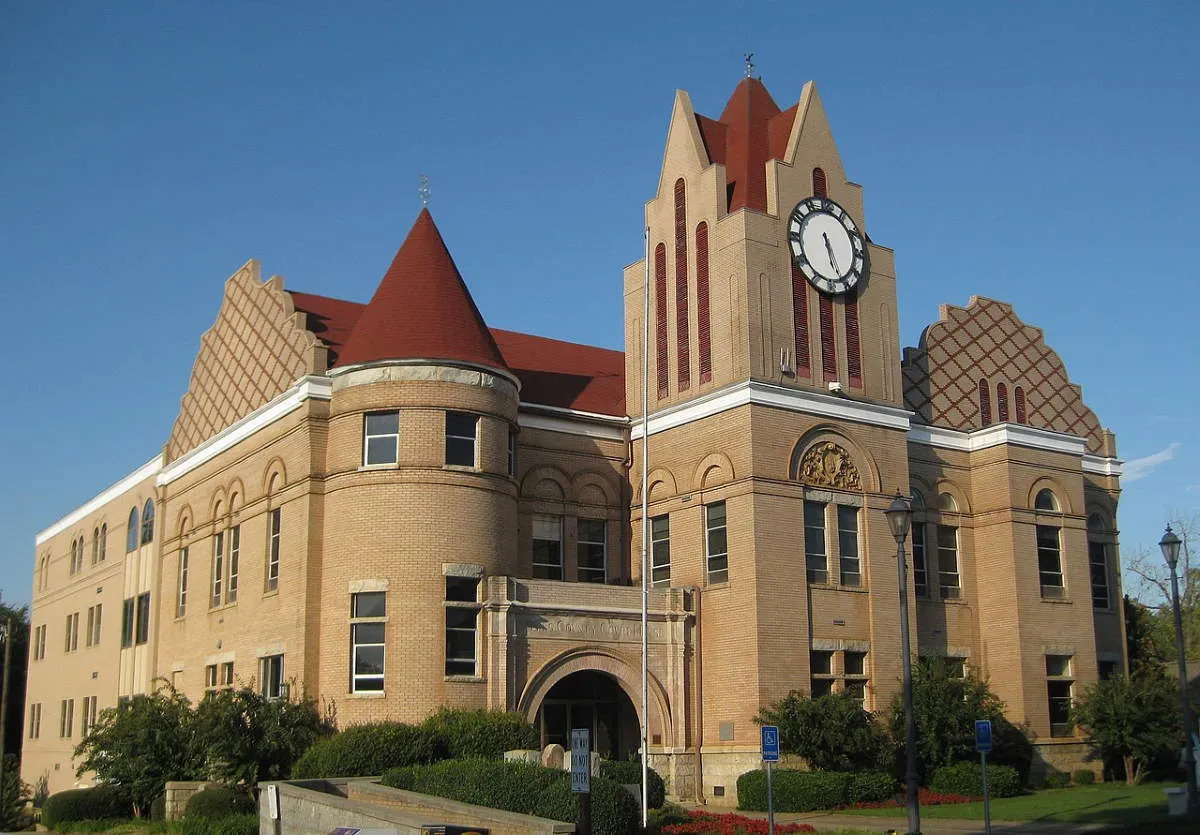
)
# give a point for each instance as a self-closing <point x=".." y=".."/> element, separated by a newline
<point x="826" y="245"/>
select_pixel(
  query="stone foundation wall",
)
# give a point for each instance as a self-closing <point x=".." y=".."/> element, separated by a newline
<point x="179" y="792"/>
<point x="1065" y="756"/>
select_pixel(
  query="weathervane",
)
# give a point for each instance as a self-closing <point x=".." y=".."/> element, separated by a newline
<point x="424" y="190"/>
<point x="749" y="65"/>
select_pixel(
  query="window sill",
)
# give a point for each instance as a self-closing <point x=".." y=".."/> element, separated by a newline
<point x="1058" y="600"/>
<point x="836" y="587"/>
<point x="271" y="593"/>
<point x="368" y="694"/>
<point x="366" y="468"/>
<point x="952" y="601"/>
<point x="461" y="468"/>
<point x="466" y="679"/>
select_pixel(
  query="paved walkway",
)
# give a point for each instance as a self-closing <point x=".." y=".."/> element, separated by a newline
<point x="929" y="826"/>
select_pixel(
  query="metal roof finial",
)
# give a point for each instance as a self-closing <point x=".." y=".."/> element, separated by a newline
<point x="424" y="190"/>
<point x="749" y="65"/>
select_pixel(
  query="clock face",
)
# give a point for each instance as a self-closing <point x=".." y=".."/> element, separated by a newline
<point x="826" y="245"/>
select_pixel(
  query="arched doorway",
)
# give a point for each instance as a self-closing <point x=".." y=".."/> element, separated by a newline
<point x="592" y="700"/>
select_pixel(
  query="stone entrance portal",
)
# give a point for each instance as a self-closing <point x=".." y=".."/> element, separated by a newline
<point x="592" y="700"/>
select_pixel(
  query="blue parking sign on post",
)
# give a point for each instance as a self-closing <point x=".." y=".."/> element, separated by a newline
<point x="770" y="744"/>
<point x="983" y="735"/>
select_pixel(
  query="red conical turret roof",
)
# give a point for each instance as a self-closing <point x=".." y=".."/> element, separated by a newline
<point x="422" y="309"/>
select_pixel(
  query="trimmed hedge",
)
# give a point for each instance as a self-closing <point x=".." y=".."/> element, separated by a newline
<point x="810" y="791"/>
<point x="229" y="825"/>
<point x="1083" y="777"/>
<point x="488" y="734"/>
<point x="96" y="803"/>
<point x="219" y="802"/>
<point x="1053" y="780"/>
<point x="966" y="778"/>
<point x="630" y="774"/>
<point x="368" y="750"/>
<point x="521" y="787"/>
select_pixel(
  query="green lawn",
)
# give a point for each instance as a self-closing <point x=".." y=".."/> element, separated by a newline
<point x="1112" y="803"/>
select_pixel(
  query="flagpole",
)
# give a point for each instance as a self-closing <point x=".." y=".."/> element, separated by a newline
<point x="645" y="526"/>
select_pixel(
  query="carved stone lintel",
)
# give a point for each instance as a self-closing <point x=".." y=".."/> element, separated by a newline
<point x="827" y="464"/>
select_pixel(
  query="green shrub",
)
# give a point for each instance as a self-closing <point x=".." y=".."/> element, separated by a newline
<point x="158" y="809"/>
<point x="219" y="802"/>
<point x="95" y="803"/>
<point x="630" y="774"/>
<point x="966" y="778"/>
<point x="1054" y="779"/>
<point x="666" y="816"/>
<point x="470" y="734"/>
<point x="368" y="750"/>
<point x="869" y="787"/>
<point x="795" y="791"/>
<point x="520" y="787"/>
<point x="1083" y="776"/>
<point x="229" y="825"/>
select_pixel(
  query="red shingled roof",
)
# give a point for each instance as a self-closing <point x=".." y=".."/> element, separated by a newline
<point x="751" y="131"/>
<point x="421" y="309"/>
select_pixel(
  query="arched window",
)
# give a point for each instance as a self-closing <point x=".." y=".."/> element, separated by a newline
<point x="74" y="545"/>
<point x="819" y="183"/>
<point x="949" y="576"/>
<point x="947" y="503"/>
<point x="660" y="317"/>
<point x="79" y="566"/>
<point x="985" y="403"/>
<point x="1046" y="500"/>
<point x="131" y="533"/>
<point x="1099" y="538"/>
<point x="148" y="522"/>
<point x="103" y="541"/>
<point x="683" y="353"/>
<point x="702" y="315"/>
<point x="1019" y="396"/>
<point x="1002" y="402"/>
<point x="1049" y="547"/>
<point x="918" y="500"/>
<point x="95" y="545"/>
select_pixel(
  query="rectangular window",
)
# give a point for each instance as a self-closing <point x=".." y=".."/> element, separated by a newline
<point x="367" y="612"/>
<point x="460" y="438"/>
<point x="815" y="558"/>
<point x="1059" y="684"/>
<point x="660" y="550"/>
<point x="39" y="643"/>
<point x="270" y="676"/>
<point x="235" y="550"/>
<point x="127" y="623"/>
<point x="381" y="438"/>
<point x="854" y="668"/>
<point x="1098" y="562"/>
<point x="821" y="670"/>
<point x="227" y="674"/>
<point x="66" y="718"/>
<point x="920" y="571"/>
<point x="855" y="663"/>
<point x="93" y="625"/>
<point x="276" y="536"/>
<point x="218" y="569"/>
<point x="87" y="717"/>
<point x="1106" y="669"/>
<point x="851" y="568"/>
<point x="35" y="720"/>
<point x="949" y="584"/>
<point x="181" y="593"/>
<point x="591" y="551"/>
<point x="716" y="542"/>
<point x="143" y="618"/>
<point x="72" y="643"/>
<point x="461" y="626"/>
<point x="210" y="676"/>
<point x="547" y="547"/>
<point x="1050" y="562"/>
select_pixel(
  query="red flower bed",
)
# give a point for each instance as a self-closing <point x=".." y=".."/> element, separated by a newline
<point x="708" y="823"/>
<point x="928" y="797"/>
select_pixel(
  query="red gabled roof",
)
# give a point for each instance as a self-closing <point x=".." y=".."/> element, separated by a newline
<point x="751" y="131"/>
<point x="421" y="309"/>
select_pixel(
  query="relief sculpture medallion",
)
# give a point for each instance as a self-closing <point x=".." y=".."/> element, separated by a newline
<point x="828" y="465"/>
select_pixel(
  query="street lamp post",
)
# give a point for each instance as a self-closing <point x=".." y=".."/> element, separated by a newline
<point x="899" y="515"/>
<point x="1170" y="547"/>
<point x="6" y="634"/>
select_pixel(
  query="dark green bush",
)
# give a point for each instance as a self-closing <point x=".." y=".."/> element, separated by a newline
<point x="95" y="803"/>
<point x="229" y="825"/>
<point x="482" y="733"/>
<point x="219" y="802"/>
<point x="368" y="750"/>
<point x="520" y="787"/>
<point x="869" y="787"/>
<point x="630" y="774"/>
<point x="1053" y="780"/>
<point x="966" y="778"/>
<point x="1083" y="776"/>
<point x="795" y="791"/>
<point x="666" y="816"/>
<point x="158" y="809"/>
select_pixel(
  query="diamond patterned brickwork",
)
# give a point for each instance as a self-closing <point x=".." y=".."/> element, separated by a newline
<point x="255" y="351"/>
<point x="986" y="339"/>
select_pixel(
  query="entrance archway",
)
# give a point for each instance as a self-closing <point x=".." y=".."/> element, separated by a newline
<point x="596" y="701"/>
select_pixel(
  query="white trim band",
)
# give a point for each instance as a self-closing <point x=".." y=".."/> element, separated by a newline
<point x="577" y="426"/>
<point x="87" y="508"/>
<point x="1099" y="465"/>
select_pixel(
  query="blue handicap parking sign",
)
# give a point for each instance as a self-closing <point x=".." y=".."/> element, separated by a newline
<point x="770" y="743"/>
<point x="983" y="735"/>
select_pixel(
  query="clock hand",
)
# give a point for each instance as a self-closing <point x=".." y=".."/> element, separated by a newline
<point x="832" y="258"/>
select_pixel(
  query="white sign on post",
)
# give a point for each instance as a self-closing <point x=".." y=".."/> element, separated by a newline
<point x="581" y="761"/>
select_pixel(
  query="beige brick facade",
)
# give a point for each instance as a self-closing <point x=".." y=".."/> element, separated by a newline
<point x="269" y="453"/>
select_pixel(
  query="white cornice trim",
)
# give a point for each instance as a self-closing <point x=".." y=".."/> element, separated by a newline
<point x="575" y="414"/>
<point x="578" y="426"/>
<point x="316" y="388"/>
<point x="780" y="397"/>
<point x="1099" y="465"/>
<point x="92" y="505"/>
<point x="997" y="435"/>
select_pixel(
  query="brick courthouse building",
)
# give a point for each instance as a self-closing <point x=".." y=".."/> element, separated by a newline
<point x="394" y="507"/>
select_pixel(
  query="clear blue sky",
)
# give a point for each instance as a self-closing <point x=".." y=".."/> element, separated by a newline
<point x="1040" y="153"/>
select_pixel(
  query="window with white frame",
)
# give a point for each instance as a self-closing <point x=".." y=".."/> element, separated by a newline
<point x="850" y="573"/>
<point x="148" y="522"/>
<point x="182" y="585"/>
<point x="381" y="438"/>
<point x="273" y="544"/>
<point x="547" y="547"/>
<point x="591" y="550"/>
<point x="131" y="533"/>
<point x="103" y="541"/>
<point x="95" y="545"/>
<point x="143" y="618"/>
<point x="1049" y="553"/>
<point x="235" y="550"/>
<point x="816" y="559"/>
<point x="270" y="676"/>
<point x="716" y="542"/>
<point x="461" y="429"/>
<point x="660" y="550"/>
<point x="210" y="676"/>
<point x="368" y="613"/>
<point x="920" y="569"/>
<point x="35" y="720"/>
<point x="72" y="642"/>
<point x="66" y="718"/>
<point x="949" y="581"/>
<point x="462" y="624"/>
<point x="39" y="642"/>
<point x="1059" y="683"/>
<point x="92" y="633"/>
<point x="227" y="674"/>
<point x="87" y="716"/>
<point x="127" y="622"/>
<point x="218" y="570"/>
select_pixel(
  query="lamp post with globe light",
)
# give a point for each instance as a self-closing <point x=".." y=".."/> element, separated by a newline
<point x="899" y="516"/>
<point x="1170" y="548"/>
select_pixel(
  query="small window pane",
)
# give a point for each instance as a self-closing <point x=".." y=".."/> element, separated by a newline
<point x="368" y="660"/>
<point x="850" y="574"/>
<point x="381" y="450"/>
<point x="660" y="544"/>
<point x="1058" y="665"/>
<point x="462" y="589"/>
<point x="1046" y="500"/>
<point x="856" y="663"/>
<point x="717" y="543"/>
<point x="816" y="562"/>
<point x="460" y="438"/>
<point x="821" y="662"/>
<point x="821" y="687"/>
<point x="383" y="423"/>
<point x="369" y="604"/>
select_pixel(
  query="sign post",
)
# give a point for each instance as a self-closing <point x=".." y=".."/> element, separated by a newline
<point x="983" y="744"/>
<point x="770" y="755"/>
<point x="581" y="777"/>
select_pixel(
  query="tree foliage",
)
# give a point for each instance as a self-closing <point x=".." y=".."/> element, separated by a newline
<point x="945" y="707"/>
<point x="141" y="744"/>
<point x="18" y="657"/>
<point x="1152" y="586"/>
<point x="832" y="732"/>
<point x="1133" y="720"/>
